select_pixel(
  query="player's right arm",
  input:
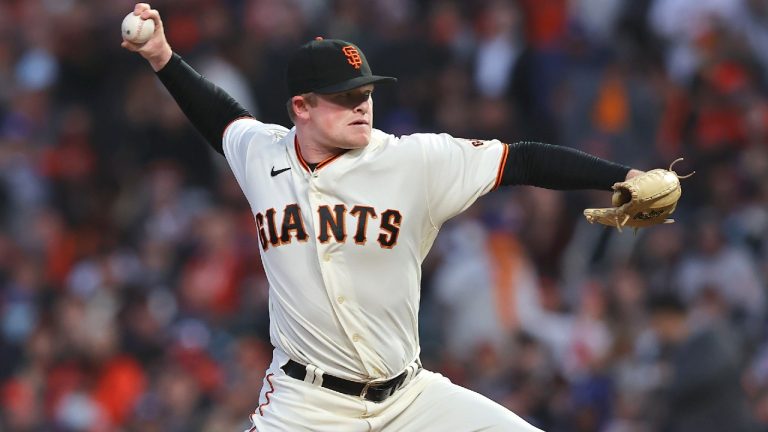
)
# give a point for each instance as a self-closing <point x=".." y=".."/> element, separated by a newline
<point x="208" y="107"/>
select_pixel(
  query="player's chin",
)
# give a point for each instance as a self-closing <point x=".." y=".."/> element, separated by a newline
<point x="357" y="139"/>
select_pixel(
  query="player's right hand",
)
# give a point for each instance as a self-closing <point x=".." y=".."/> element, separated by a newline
<point x="156" y="50"/>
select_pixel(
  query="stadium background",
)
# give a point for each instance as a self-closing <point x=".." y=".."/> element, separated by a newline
<point x="131" y="293"/>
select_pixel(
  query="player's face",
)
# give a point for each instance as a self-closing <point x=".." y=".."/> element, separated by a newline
<point x="343" y="120"/>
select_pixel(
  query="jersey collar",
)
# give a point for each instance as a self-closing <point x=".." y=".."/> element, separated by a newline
<point x="304" y="163"/>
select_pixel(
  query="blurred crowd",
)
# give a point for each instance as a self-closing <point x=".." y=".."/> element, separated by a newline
<point x="132" y="297"/>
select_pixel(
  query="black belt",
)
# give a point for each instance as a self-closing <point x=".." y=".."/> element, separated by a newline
<point x="373" y="391"/>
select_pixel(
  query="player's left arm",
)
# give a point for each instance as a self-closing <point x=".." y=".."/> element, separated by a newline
<point x="562" y="168"/>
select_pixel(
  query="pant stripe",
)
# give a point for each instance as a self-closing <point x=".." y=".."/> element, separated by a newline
<point x="266" y="395"/>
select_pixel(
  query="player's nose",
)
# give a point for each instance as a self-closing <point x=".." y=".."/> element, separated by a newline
<point x="364" y="106"/>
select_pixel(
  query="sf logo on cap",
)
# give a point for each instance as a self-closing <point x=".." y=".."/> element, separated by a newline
<point x="353" y="56"/>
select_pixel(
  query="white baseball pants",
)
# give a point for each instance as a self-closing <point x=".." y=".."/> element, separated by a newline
<point x="427" y="402"/>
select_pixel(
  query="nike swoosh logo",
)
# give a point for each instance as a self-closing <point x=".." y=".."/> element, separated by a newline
<point x="280" y="171"/>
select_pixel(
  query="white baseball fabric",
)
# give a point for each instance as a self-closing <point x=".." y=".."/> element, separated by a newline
<point x="342" y="247"/>
<point x="427" y="402"/>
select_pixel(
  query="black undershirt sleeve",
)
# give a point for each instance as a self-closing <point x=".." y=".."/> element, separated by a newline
<point x="556" y="167"/>
<point x="208" y="107"/>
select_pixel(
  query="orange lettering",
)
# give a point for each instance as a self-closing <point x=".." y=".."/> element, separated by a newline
<point x="353" y="56"/>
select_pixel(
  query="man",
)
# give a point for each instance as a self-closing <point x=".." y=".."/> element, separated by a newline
<point x="703" y="392"/>
<point x="345" y="215"/>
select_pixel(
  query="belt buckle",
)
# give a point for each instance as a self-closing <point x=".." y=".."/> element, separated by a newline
<point x="364" y="392"/>
<point x="385" y="388"/>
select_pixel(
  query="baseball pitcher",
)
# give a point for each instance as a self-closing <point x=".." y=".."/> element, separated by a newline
<point x="345" y="215"/>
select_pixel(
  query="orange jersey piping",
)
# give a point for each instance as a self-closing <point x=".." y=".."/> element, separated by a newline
<point x="502" y="163"/>
<point x="304" y="164"/>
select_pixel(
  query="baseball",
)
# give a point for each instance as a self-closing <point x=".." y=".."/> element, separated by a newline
<point x="137" y="30"/>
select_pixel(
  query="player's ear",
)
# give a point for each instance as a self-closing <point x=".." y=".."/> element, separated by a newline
<point x="300" y="106"/>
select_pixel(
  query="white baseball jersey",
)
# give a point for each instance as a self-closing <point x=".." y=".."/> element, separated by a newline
<point x="342" y="245"/>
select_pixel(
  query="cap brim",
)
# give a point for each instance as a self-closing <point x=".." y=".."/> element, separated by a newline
<point x="354" y="83"/>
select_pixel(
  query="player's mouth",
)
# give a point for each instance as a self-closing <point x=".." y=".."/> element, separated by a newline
<point x="359" y="123"/>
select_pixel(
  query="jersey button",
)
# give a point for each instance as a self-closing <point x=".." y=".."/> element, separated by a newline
<point x="318" y="196"/>
<point x="326" y="257"/>
<point x="356" y="337"/>
<point x="340" y="299"/>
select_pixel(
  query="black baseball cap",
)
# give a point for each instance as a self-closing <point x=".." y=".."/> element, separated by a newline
<point x="329" y="66"/>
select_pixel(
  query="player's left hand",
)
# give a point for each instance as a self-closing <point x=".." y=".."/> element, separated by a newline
<point x="633" y="173"/>
<point x="644" y="199"/>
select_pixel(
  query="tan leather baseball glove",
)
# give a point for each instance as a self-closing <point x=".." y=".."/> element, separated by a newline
<point x="644" y="200"/>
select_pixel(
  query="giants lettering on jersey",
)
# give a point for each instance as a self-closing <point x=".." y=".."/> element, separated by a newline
<point x="277" y="231"/>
